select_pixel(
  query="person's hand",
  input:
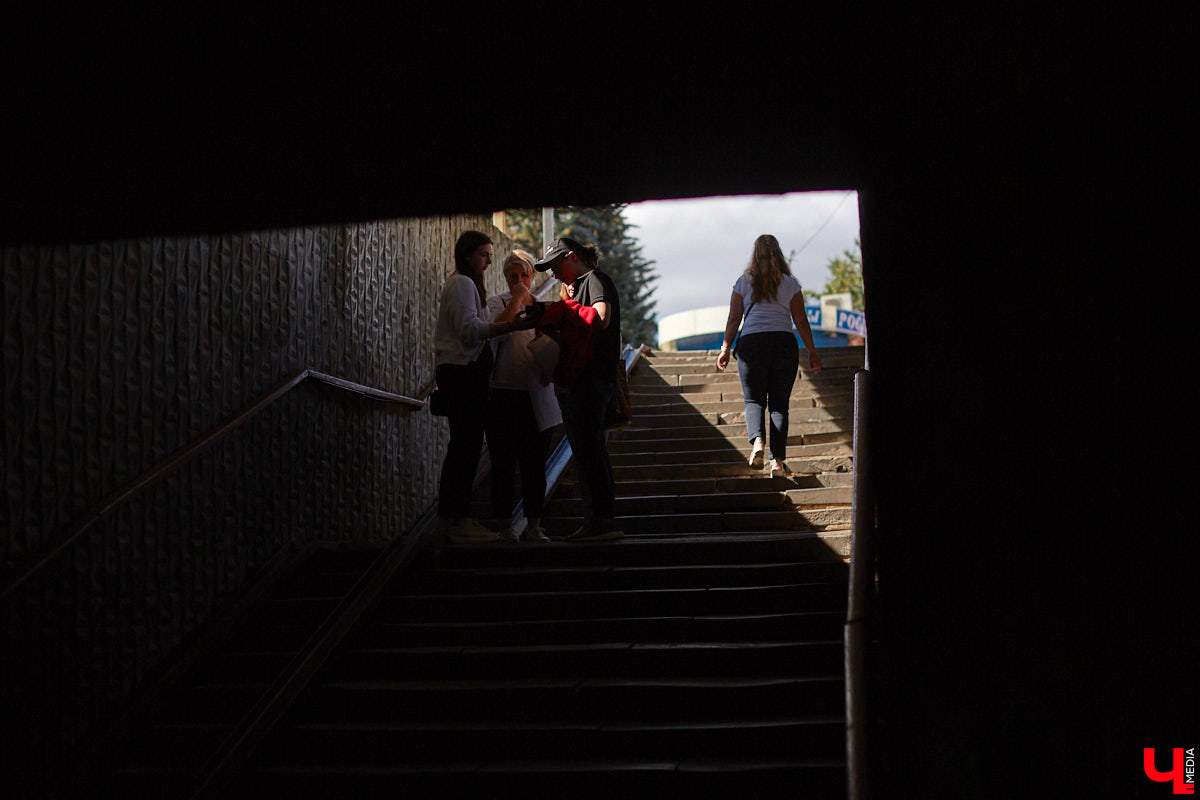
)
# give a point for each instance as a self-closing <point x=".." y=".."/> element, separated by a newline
<point x="521" y="294"/>
<point x="530" y="317"/>
<point x="814" y="361"/>
<point x="723" y="359"/>
<point x="523" y="322"/>
<point x="520" y="298"/>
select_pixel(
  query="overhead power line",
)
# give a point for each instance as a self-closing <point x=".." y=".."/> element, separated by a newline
<point x="821" y="227"/>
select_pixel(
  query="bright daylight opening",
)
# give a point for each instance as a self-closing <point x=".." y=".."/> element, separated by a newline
<point x="677" y="260"/>
<point x="699" y="247"/>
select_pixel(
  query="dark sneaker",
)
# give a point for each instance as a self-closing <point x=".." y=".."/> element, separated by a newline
<point x="603" y="532"/>
<point x="535" y="534"/>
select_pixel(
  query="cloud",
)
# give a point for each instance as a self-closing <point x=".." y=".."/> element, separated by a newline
<point x="700" y="246"/>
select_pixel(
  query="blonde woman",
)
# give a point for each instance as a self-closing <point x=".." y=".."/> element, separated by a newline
<point x="521" y="413"/>
<point x="766" y="301"/>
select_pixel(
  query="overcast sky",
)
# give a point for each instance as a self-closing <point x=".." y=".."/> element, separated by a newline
<point x="701" y="246"/>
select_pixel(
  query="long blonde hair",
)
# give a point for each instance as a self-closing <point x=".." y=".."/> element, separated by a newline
<point x="767" y="268"/>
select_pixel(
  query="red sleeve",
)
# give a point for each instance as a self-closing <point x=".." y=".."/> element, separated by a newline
<point x="569" y="311"/>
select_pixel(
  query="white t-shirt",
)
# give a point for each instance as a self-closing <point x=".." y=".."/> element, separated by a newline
<point x="768" y="314"/>
<point x="514" y="362"/>
<point x="462" y="323"/>
<point x="516" y="368"/>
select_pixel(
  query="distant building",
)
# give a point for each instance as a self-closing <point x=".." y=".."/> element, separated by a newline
<point x="834" y="324"/>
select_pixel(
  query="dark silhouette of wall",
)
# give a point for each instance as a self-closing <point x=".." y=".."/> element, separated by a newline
<point x="1018" y="171"/>
<point x="118" y="355"/>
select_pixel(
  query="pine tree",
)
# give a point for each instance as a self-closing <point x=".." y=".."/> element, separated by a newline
<point x="620" y="256"/>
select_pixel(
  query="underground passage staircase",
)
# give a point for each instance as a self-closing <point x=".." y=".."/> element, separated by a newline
<point x="700" y="655"/>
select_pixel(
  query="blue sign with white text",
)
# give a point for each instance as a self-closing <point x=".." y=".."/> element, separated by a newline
<point x="851" y="322"/>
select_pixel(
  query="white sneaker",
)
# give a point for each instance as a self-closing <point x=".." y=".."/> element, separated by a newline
<point x="468" y="531"/>
<point x="756" y="454"/>
<point x="779" y="469"/>
<point x="508" y="535"/>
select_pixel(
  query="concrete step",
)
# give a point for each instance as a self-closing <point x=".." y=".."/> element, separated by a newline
<point x="735" y="467"/>
<point x="736" y="414"/>
<point x="746" y="490"/>
<point x="709" y="367"/>
<point x="796" y="447"/>
<point x="686" y="405"/>
<point x="654" y="628"/>
<point x="465" y="580"/>
<point x="856" y="353"/>
<point x="746" y="483"/>
<point x="664" y="451"/>
<point x="739" y="547"/>
<point x="582" y="778"/>
<point x="834" y="517"/>
<point x="576" y="604"/>
<point x="722" y="502"/>
<point x="833" y="376"/>
<point x="364" y="743"/>
<point x="588" y="660"/>
<point x="598" y="700"/>
<point x="732" y="387"/>
<point x="829" y="358"/>
<point x="808" y="432"/>
<point x="730" y="394"/>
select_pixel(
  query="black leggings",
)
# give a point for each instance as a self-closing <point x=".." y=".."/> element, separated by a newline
<point x="467" y="387"/>
<point x="514" y="439"/>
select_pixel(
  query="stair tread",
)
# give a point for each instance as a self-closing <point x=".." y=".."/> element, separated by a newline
<point x="506" y="726"/>
<point x="609" y="592"/>
<point x="519" y="570"/>
<point x="718" y="537"/>
<point x="595" y="646"/>
<point x="661" y="682"/>
<point x="599" y="620"/>
<point x="542" y="766"/>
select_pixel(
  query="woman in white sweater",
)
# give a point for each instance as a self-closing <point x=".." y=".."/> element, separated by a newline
<point x="464" y="367"/>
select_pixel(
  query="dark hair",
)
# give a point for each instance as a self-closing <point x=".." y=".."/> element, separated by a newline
<point x="468" y="243"/>
<point x="589" y="254"/>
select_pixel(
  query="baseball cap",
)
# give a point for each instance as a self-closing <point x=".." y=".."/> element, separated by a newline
<point x="556" y="250"/>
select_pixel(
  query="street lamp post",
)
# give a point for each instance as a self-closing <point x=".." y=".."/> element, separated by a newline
<point x="547" y="228"/>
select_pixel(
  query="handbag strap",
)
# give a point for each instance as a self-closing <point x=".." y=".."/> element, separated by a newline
<point x="738" y="335"/>
<point x="496" y="355"/>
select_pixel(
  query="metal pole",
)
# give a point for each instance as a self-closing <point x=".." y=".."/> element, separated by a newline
<point x="547" y="228"/>
<point x="858" y="617"/>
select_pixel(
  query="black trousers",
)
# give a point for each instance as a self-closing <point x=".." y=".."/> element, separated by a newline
<point x="514" y="440"/>
<point x="583" y="408"/>
<point x="468" y="391"/>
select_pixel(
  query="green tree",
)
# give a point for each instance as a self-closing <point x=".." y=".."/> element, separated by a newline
<point x="845" y="275"/>
<point x="620" y="256"/>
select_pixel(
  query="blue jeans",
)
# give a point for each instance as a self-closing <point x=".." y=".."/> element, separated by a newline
<point x="583" y="408"/>
<point x="767" y="365"/>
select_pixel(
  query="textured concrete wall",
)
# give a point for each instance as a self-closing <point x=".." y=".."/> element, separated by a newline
<point x="116" y="354"/>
